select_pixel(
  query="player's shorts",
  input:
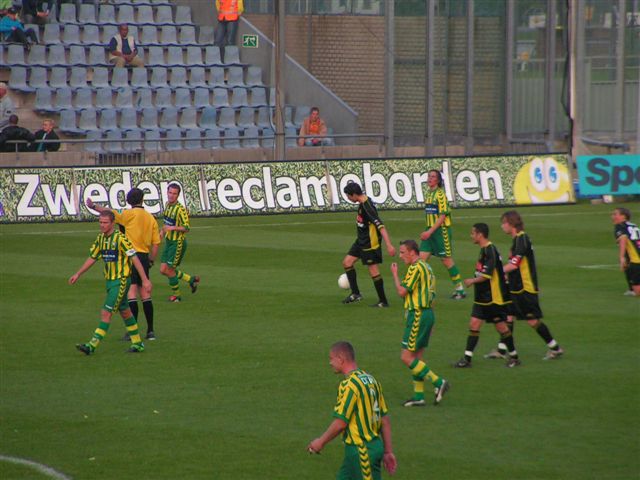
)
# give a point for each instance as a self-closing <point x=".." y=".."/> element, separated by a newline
<point x="135" y="276"/>
<point x="439" y="244"/>
<point x="525" y="306"/>
<point x="633" y="273"/>
<point x="417" y="330"/>
<point x="491" y="313"/>
<point x="117" y="295"/>
<point x="368" y="257"/>
<point x="173" y="252"/>
<point x="362" y="461"/>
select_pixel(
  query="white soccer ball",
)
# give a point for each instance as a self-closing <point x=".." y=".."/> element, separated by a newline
<point x="343" y="281"/>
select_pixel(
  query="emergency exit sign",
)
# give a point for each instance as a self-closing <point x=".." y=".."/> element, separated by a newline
<point x="250" y="41"/>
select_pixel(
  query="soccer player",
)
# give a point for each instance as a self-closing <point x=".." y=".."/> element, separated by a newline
<point x="437" y="238"/>
<point x="491" y="298"/>
<point x="418" y="288"/>
<point x="361" y="416"/>
<point x="628" y="238"/>
<point x="367" y="246"/>
<point x="174" y="230"/>
<point x="142" y="230"/>
<point x="118" y="254"/>
<point x="523" y="286"/>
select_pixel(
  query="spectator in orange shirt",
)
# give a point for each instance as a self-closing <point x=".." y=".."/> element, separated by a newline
<point x="315" y="127"/>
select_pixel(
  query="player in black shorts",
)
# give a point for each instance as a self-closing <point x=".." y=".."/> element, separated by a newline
<point x="491" y="298"/>
<point x="367" y="246"/>
<point x="523" y="286"/>
<point x="628" y="238"/>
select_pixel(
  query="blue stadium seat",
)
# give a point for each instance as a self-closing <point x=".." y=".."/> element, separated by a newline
<point x="217" y="77"/>
<point x="250" y="137"/>
<point x="208" y="118"/>
<point x="67" y="13"/>
<point x="18" y="80"/>
<point x="38" y="78"/>
<point x="178" y="77"/>
<point x="246" y="117"/>
<point x="183" y="98"/>
<point x="197" y="77"/>
<point x="164" y="15"/>
<point x="77" y="56"/>
<point x="175" y="56"/>
<point x="227" y="117"/>
<point x="97" y="56"/>
<point x="183" y="15"/>
<point x="239" y="97"/>
<point x="168" y="35"/>
<point x="231" y="138"/>
<point x="258" y="97"/>
<point x="149" y="120"/>
<point x="174" y="140"/>
<point x="129" y="119"/>
<point x="126" y="15"/>
<point x="149" y="35"/>
<point x="57" y="56"/>
<point x="188" y="118"/>
<point x="194" y="56"/>
<point x="124" y="98"/>
<point x="71" y="35"/>
<point x="91" y="35"/>
<point x="132" y="146"/>
<point x="119" y="78"/>
<point x="254" y="76"/>
<point x="78" y="78"/>
<point x="302" y="112"/>
<point x="83" y="98"/>
<point x="212" y="56"/>
<point x="268" y="137"/>
<point x="201" y="98"/>
<point x="264" y="117"/>
<point x="145" y="15"/>
<point x="158" y="78"/>
<point x="144" y="99"/>
<point x="156" y="57"/>
<point x="193" y="139"/>
<point x="15" y="56"/>
<point x="220" y="97"/>
<point x="206" y="35"/>
<point x="231" y="55"/>
<point x="58" y="77"/>
<point x="188" y="35"/>
<point x="139" y="78"/>
<point x="63" y="100"/>
<point x="113" y="141"/>
<point x="107" y="14"/>
<point x="151" y="140"/>
<point x="87" y="122"/>
<point x="51" y="34"/>
<point x="291" y="137"/>
<point x="163" y="98"/>
<point x="235" y="77"/>
<point x="108" y="120"/>
<point x="68" y="123"/>
<point x="37" y="56"/>
<point x="169" y="118"/>
<point x="43" y="102"/>
<point x="95" y="145"/>
<point x="87" y="14"/>
<point x="211" y="138"/>
<point x="100" y="78"/>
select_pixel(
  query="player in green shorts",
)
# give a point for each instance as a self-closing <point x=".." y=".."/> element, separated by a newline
<point x="175" y="228"/>
<point x="118" y="254"/>
<point x="437" y="238"/>
<point x="418" y="288"/>
<point x="361" y="416"/>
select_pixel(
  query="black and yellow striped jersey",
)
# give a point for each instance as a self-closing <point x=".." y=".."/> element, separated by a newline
<point x="140" y="227"/>
<point x="435" y="205"/>
<point x="632" y="241"/>
<point x="420" y="282"/>
<point x="495" y="290"/>
<point x="361" y="405"/>
<point x="368" y="224"/>
<point x="525" y="278"/>
<point x="116" y="251"/>
<point x="176" y="215"/>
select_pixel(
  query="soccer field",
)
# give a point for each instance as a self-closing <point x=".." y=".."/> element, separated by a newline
<point x="238" y="381"/>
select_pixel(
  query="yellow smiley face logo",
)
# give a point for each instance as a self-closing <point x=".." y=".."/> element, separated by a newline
<point x="543" y="180"/>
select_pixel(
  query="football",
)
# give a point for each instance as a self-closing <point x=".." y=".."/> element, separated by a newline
<point x="343" y="281"/>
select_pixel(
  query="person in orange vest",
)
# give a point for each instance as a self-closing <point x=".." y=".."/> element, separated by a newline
<point x="229" y="12"/>
<point x="313" y="125"/>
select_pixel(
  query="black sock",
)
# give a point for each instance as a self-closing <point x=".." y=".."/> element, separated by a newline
<point x="133" y="305"/>
<point x="379" y="284"/>
<point x="353" y="283"/>
<point x="507" y="339"/>
<point x="544" y="332"/>
<point x="147" y="306"/>
<point x="472" y="341"/>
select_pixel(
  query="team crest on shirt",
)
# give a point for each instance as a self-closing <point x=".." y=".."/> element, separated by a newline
<point x="359" y="220"/>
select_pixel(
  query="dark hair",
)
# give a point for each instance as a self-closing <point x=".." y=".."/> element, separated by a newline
<point x="514" y="219"/>
<point x="482" y="228"/>
<point x="625" y="212"/>
<point x="13" y="119"/>
<point x="411" y="245"/>
<point x="135" y="196"/>
<point x="316" y="109"/>
<point x="175" y="186"/>
<point x="345" y="348"/>
<point x="440" y="181"/>
<point x="352" y="188"/>
<point x="109" y="214"/>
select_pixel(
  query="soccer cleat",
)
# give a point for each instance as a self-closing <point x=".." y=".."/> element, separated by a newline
<point x="195" y="281"/>
<point x="414" y="402"/>
<point x="553" y="354"/>
<point x="513" y="362"/>
<point x="495" y="354"/>
<point x="126" y="337"/>
<point x="136" y="348"/>
<point x="175" y="299"/>
<point x="86" y="348"/>
<point x="150" y="336"/>
<point x="629" y="293"/>
<point x="380" y="305"/>
<point x="440" y="391"/>
<point x="459" y="295"/>
<point x="462" y="363"/>
<point x="353" y="298"/>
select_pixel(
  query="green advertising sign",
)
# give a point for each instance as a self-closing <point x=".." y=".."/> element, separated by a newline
<point x="45" y="194"/>
<point x="250" y="41"/>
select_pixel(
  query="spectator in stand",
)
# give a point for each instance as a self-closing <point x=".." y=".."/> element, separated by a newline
<point x="12" y="29"/>
<point x="36" y="11"/>
<point x="6" y="106"/>
<point x="229" y="12"/>
<point x="314" y="126"/>
<point x="15" y="132"/>
<point x="4" y="6"/>
<point x="122" y="49"/>
<point x="46" y="133"/>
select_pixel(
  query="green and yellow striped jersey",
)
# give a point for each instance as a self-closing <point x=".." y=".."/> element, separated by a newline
<point x="361" y="405"/>
<point x="436" y="204"/>
<point x="176" y="215"/>
<point x="116" y="251"/>
<point x="420" y="282"/>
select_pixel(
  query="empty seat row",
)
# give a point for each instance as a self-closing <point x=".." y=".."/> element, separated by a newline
<point x="114" y="142"/>
<point x="29" y="79"/>
<point x="104" y="98"/>
<point x="126" y="13"/>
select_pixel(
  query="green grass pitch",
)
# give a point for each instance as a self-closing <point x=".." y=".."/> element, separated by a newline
<point x="238" y="381"/>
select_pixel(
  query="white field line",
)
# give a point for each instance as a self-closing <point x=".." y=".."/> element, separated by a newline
<point x="600" y="267"/>
<point x="46" y="471"/>
<point x="309" y="222"/>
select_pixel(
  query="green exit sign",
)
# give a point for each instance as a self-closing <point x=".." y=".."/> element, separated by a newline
<point x="250" y="41"/>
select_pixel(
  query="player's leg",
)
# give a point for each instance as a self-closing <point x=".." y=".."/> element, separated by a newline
<point x="378" y="282"/>
<point x="348" y="263"/>
<point x="167" y="268"/>
<point x="475" y="324"/>
<point x="444" y="239"/>
<point x="542" y="329"/>
<point x="507" y="338"/>
<point x="131" y="325"/>
<point x="116" y="292"/>
<point x="192" y="280"/>
<point x="633" y="278"/>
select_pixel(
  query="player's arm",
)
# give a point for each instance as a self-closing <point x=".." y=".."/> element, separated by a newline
<point x="96" y="207"/>
<point x="335" y="428"/>
<point x="146" y="283"/>
<point x="622" y="251"/>
<point x="88" y="263"/>
<point x="387" y="240"/>
<point x="389" y="459"/>
<point x="154" y="253"/>
<point x="438" y="223"/>
<point x="402" y="291"/>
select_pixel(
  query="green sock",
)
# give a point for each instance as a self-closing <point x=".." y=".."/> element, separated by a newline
<point x="99" y="334"/>
<point x="185" y="277"/>
<point x="173" y="283"/>
<point x="132" y="329"/>
<point x="456" y="279"/>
